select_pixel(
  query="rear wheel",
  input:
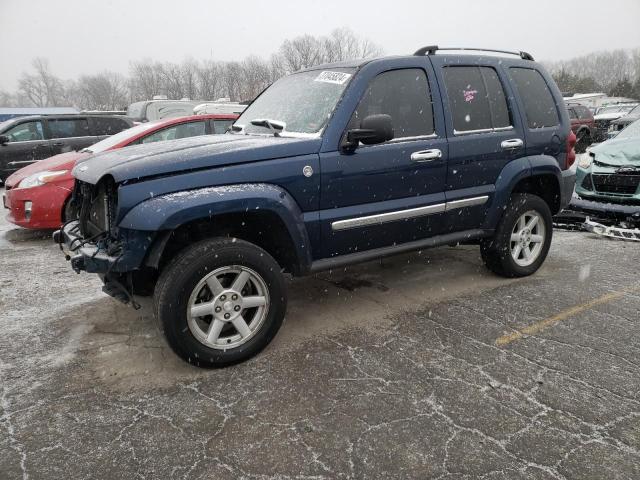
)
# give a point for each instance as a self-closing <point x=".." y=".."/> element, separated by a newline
<point x="220" y="302"/>
<point x="523" y="237"/>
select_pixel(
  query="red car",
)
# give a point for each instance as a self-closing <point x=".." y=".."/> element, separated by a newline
<point x="37" y="196"/>
<point x="583" y="125"/>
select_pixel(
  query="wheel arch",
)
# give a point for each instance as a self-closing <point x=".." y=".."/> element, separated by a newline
<point x="262" y="214"/>
<point x="539" y="175"/>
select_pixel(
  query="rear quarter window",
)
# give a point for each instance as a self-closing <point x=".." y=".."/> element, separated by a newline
<point x="476" y="99"/>
<point x="69" y="128"/>
<point x="109" y="126"/>
<point x="539" y="105"/>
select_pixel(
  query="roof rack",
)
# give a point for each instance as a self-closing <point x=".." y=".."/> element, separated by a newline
<point x="432" y="49"/>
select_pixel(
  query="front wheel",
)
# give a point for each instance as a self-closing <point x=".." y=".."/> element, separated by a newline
<point x="523" y="237"/>
<point x="582" y="142"/>
<point x="220" y="301"/>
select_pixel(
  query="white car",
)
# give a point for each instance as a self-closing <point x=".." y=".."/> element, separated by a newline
<point x="222" y="105"/>
<point x="606" y="115"/>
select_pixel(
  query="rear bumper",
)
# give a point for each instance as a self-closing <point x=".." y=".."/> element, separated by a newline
<point x="38" y="207"/>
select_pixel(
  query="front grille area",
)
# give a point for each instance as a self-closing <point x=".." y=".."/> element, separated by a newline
<point x="616" y="183"/>
<point x="586" y="182"/>
<point x="97" y="207"/>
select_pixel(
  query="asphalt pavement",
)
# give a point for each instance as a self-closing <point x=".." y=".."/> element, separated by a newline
<point x="418" y="366"/>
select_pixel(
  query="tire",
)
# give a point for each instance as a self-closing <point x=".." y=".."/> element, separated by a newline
<point x="499" y="252"/>
<point x="69" y="211"/>
<point x="184" y="289"/>
<point x="583" y="142"/>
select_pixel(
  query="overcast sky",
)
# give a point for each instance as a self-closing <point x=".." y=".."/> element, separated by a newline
<point x="87" y="36"/>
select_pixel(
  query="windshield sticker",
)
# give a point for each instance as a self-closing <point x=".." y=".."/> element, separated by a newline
<point x="339" y="78"/>
<point x="469" y="95"/>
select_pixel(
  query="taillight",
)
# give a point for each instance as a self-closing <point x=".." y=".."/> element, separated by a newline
<point x="571" y="153"/>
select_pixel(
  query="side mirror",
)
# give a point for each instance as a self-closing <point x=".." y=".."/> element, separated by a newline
<point x="373" y="129"/>
<point x="4" y="139"/>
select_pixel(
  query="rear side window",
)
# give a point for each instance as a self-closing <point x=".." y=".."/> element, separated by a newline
<point x="221" y="126"/>
<point x="183" y="130"/>
<point x="68" y="128"/>
<point x="403" y="95"/>
<point x="476" y="99"/>
<point x="109" y="126"/>
<point x="539" y="106"/>
<point x="572" y="114"/>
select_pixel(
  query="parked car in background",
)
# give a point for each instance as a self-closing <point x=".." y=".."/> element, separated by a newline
<point x="25" y="140"/>
<point x="606" y="115"/>
<point x="37" y="196"/>
<point x="221" y="105"/>
<point x="329" y="166"/>
<point x="611" y="171"/>
<point x="616" y="126"/>
<point x="150" y="110"/>
<point x="582" y="124"/>
<point x="7" y="113"/>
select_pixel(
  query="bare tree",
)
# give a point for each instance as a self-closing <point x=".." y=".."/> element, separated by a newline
<point x="605" y="69"/>
<point x="42" y="88"/>
<point x="208" y="80"/>
<point x="302" y="52"/>
<point x="209" y="76"/>
<point x="7" y="99"/>
<point x="145" y="79"/>
<point x="103" y="91"/>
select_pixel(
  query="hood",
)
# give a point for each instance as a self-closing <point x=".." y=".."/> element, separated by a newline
<point x="618" y="152"/>
<point x="609" y="116"/>
<point x="64" y="161"/>
<point x="193" y="153"/>
<point x="627" y="119"/>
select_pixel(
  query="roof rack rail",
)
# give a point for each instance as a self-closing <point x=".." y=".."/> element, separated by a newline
<point x="432" y="49"/>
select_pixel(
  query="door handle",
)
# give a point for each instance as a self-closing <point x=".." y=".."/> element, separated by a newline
<point x="426" y="155"/>
<point x="42" y="145"/>
<point x="58" y="144"/>
<point x="510" y="144"/>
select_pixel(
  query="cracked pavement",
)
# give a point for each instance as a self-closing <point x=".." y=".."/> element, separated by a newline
<point x="385" y="370"/>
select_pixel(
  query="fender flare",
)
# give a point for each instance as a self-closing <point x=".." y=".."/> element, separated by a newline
<point x="511" y="175"/>
<point x="167" y="212"/>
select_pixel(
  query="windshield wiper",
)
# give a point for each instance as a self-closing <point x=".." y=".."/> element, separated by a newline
<point x="276" y="126"/>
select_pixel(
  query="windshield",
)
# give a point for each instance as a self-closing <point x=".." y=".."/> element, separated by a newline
<point x="302" y="101"/>
<point x="616" y="109"/>
<point x="127" y="134"/>
<point x="136" y="110"/>
<point x="7" y="123"/>
<point x="632" y="130"/>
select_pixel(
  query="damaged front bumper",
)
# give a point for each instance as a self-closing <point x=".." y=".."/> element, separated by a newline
<point x="114" y="264"/>
<point x="620" y="233"/>
<point x="84" y="255"/>
<point x="579" y="209"/>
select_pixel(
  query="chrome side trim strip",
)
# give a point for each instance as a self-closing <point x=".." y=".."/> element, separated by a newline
<point x="482" y="130"/>
<point x="388" y="217"/>
<point x="410" y="213"/>
<point x="466" y="202"/>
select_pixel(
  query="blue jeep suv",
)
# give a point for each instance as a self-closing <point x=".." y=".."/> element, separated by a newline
<point x="329" y="166"/>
